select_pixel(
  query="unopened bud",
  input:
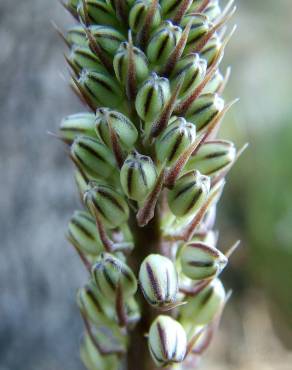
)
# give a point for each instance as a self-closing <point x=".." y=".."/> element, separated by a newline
<point x="194" y="70"/>
<point x="167" y="341"/>
<point x="82" y="57"/>
<point x="83" y="232"/>
<point x="97" y="12"/>
<point x="188" y="194"/>
<point x="214" y="84"/>
<point x="121" y="63"/>
<point x="204" y="109"/>
<point x="173" y="141"/>
<point x="151" y="97"/>
<point x="158" y="280"/>
<point x="203" y="307"/>
<point x="77" y="36"/>
<point x="93" y="157"/>
<point x="201" y="261"/>
<point x="110" y="274"/>
<point x="200" y="25"/>
<point x="111" y="207"/>
<point x="211" y="49"/>
<point x="77" y="124"/>
<point x="212" y="10"/>
<point x="169" y="8"/>
<point x="213" y="157"/>
<point x="138" y="176"/>
<point x="138" y="14"/>
<point x="107" y="120"/>
<point x="108" y="38"/>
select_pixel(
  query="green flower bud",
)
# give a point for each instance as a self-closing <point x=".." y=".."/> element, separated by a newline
<point x="169" y="7"/>
<point x="138" y="14"/>
<point x="77" y="36"/>
<point x="167" y="341"/>
<point x="211" y="49"/>
<point x="188" y="194"/>
<point x="213" y="85"/>
<point x="108" y="204"/>
<point x="110" y="273"/>
<point x="163" y="42"/>
<point x="72" y="4"/>
<point x="77" y="124"/>
<point x="202" y="308"/>
<point x="173" y="141"/>
<point x="194" y="70"/>
<point x="204" y="109"/>
<point x="108" y="38"/>
<point x="98" y="12"/>
<point x="213" y="157"/>
<point x="200" y="261"/>
<point x="83" y="231"/>
<point x="100" y="88"/>
<point x="81" y="57"/>
<point x="151" y="97"/>
<point x="121" y="63"/>
<point x="125" y="130"/>
<point x="93" y="157"/>
<point x="94" y="306"/>
<point x="138" y="176"/>
<point x="200" y="25"/>
<point x="212" y="10"/>
<point x="158" y="280"/>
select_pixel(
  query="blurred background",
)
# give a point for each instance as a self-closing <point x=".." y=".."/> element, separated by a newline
<point x="39" y="272"/>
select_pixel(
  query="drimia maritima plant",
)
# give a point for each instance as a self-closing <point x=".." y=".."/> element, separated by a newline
<point x="150" y="171"/>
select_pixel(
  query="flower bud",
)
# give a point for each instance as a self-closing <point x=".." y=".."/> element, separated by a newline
<point x="212" y="10"/>
<point x="82" y="57"/>
<point x="108" y="38"/>
<point x="77" y="36"/>
<point x="169" y="8"/>
<point x="111" y="207"/>
<point x="163" y="42"/>
<point x="173" y="141"/>
<point x="202" y="308"/>
<point x="200" y="261"/>
<point x="158" y="280"/>
<point x="72" y="5"/>
<point x="93" y="157"/>
<point x="214" y="84"/>
<point x="188" y="194"/>
<point x="77" y="124"/>
<point x="110" y="273"/>
<point x="167" y="341"/>
<point x="151" y="97"/>
<point x="125" y="130"/>
<point x="200" y="25"/>
<point x="121" y="63"/>
<point x="212" y="157"/>
<point x="83" y="231"/>
<point x="204" y="109"/>
<point x="211" y="49"/>
<point x="138" y="14"/>
<point x="98" y="12"/>
<point x="100" y="88"/>
<point x="81" y="183"/>
<point x="94" y="306"/>
<point x="194" y="70"/>
<point x="138" y="176"/>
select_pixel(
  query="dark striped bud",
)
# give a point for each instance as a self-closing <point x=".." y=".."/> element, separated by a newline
<point x="100" y="88"/>
<point x="94" y="306"/>
<point x="214" y="84"/>
<point x="111" y="207"/>
<point x="188" y="194"/>
<point x="173" y="141"/>
<point x="121" y="64"/>
<point x="151" y="97"/>
<point x="212" y="157"/>
<point x="76" y="36"/>
<point x="138" y="176"/>
<point x="194" y="70"/>
<point x="98" y="12"/>
<point x="77" y="124"/>
<point x="170" y="7"/>
<point x="158" y="280"/>
<point x="212" y="10"/>
<point x="83" y="232"/>
<point x="108" y="38"/>
<point x="138" y="14"/>
<point x="81" y="57"/>
<point x="163" y="42"/>
<point x="203" y="307"/>
<point x="211" y="49"/>
<point x="200" y="25"/>
<point x="201" y="261"/>
<point x="204" y="109"/>
<point x="93" y="157"/>
<point x="107" y="120"/>
<point x="110" y="273"/>
<point x="167" y="341"/>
